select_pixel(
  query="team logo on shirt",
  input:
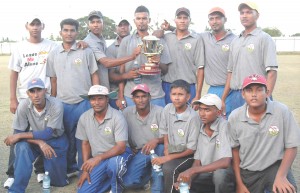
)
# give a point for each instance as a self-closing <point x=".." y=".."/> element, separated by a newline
<point x="225" y="47"/>
<point x="250" y="47"/>
<point x="180" y="132"/>
<point x="187" y="46"/>
<point x="273" y="130"/>
<point x="218" y="143"/>
<point x="78" y="61"/>
<point x="154" y="127"/>
<point x="107" y="130"/>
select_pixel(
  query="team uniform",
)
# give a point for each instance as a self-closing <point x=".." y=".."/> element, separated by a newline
<point x="276" y="131"/>
<point x="112" y="52"/>
<point x="129" y="43"/>
<point x="140" y="132"/>
<point x="187" y="55"/>
<point x="98" y="45"/>
<point x="26" y="153"/>
<point x="73" y="71"/>
<point x="215" y="65"/>
<point x="209" y="150"/>
<point x="253" y="54"/>
<point x="102" y="137"/>
<point x="183" y="131"/>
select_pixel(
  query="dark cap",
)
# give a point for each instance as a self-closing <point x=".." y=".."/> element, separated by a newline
<point x="122" y="21"/>
<point x="95" y="14"/>
<point x="184" y="10"/>
<point x="35" y="83"/>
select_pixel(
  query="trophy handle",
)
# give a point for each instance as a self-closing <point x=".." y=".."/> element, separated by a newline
<point x="160" y="48"/>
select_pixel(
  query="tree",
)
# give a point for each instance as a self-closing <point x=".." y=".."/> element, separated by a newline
<point x="296" y="35"/>
<point x="273" y="32"/>
<point x="108" y="30"/>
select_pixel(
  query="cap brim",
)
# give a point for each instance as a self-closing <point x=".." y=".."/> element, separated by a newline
<point x="111" y="95"/>
<point x="35" y="87"/>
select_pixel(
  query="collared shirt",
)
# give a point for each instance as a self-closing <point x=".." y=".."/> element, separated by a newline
<point x="52" y="116"/>
<point x="73" y="71"/>
<point x="211" y="149"/>
<point x="254" y="53"/>
<point x="102" y="136"/>
<point x="128" y="44"/>
<point x="262" y="144"/>
<point x="181" y="131"/>
<point x="142" y="130"/>
<point x="187" y="55"/>
<point x="98" y="45"/>
<point x="216" y="57"/>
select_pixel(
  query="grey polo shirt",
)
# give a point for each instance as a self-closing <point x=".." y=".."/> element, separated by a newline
<point x="102" y="136"/>
<point x="98" y="45"/>
<point x="141" y="131"/>
<point x="211" y="149"/>
<point x="262" y="144"/>
<point x="112" y="52"/>
<point x="253" y="54"/>
<point x="187" y="56"/>
<point x="128" y="44"/>
<point x="216" y="57"/>
<point x="73" y="71"/>
<point x="51" y="116"/>
<point x="183" y="130"/>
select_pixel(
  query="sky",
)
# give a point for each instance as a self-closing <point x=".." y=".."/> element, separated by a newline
<point x="282" y="14"/>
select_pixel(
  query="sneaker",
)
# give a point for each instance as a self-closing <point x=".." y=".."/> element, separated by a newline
<point x="147" y="186"/>
<point x="72" y="174"/>
<point x="8" y="183"/>
<point x="40" y="177"/>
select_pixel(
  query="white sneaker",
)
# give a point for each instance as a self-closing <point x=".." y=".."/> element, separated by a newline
<point x="40" y="177"/>
<point x="72" y="174"/>
<point x="147" y="186"/>
<point x="8" y="183"/>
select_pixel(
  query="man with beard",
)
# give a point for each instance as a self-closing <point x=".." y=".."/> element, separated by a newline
<point x="141" y="20"/>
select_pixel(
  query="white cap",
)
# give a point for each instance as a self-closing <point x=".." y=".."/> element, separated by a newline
<point x="152" y="151"/>
<point x="47" y="173"/>
<point x="210" y="100"/>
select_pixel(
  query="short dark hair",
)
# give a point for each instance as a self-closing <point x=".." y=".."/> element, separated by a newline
<point x="141" y="9"/>
<point x="181" y="84"/>
<point x="69" y="21"/>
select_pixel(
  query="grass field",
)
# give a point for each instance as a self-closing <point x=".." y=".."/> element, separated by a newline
<point x="287" y="90"/>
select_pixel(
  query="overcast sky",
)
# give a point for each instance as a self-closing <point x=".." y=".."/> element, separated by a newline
<point x="283" y="14"/>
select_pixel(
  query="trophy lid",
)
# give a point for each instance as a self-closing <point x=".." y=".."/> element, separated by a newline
<point x="150" y="37"/>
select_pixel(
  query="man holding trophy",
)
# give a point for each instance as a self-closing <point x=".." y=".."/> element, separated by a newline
<point x="151" y="64"/>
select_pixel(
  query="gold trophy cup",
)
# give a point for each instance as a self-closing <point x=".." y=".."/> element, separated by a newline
<point x="150" y="48"/>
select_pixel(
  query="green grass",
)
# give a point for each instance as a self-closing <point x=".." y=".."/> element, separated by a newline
<point x="287" y="90"/>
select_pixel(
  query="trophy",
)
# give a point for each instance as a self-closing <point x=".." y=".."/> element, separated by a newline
<point x="150" y="48"/>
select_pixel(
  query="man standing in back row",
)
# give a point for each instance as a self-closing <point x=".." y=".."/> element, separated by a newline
<point x="253" y="51"/>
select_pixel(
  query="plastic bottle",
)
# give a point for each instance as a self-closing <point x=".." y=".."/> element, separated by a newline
<point x="46" y="183"/>
<point x="137" y="80"/>
<point x="184" y="187"/>
<point x="156" y="168"/>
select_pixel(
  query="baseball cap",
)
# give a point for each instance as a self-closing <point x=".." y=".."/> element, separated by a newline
<point x="35" y="83"/>
<point x="210" y="100"/>
<point x="216" y="9"/>
<point x="141" y="87"/>
<point x="249" y="4"/>
<point x="183" y="9"/>
<point x="254" y="79"/>
<point x="32" y="18"/>
<point x="95" y="14"/>
<point x="122" y="21"/>
<point x="99" y="90"/>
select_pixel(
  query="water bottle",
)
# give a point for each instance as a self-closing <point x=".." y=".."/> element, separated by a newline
<point x="137" y="80"/>
<point x="184" y="187"/>
<point x="46" y="183"/>
<point x="156" y="168"/>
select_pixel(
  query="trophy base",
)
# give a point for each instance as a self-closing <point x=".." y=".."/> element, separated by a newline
<point x="149" y="70"/>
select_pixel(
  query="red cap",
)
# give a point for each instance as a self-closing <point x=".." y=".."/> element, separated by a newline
<point x="141" y="87"/>
<point x="217" y="9"/>
<point x="254" y="79"/>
